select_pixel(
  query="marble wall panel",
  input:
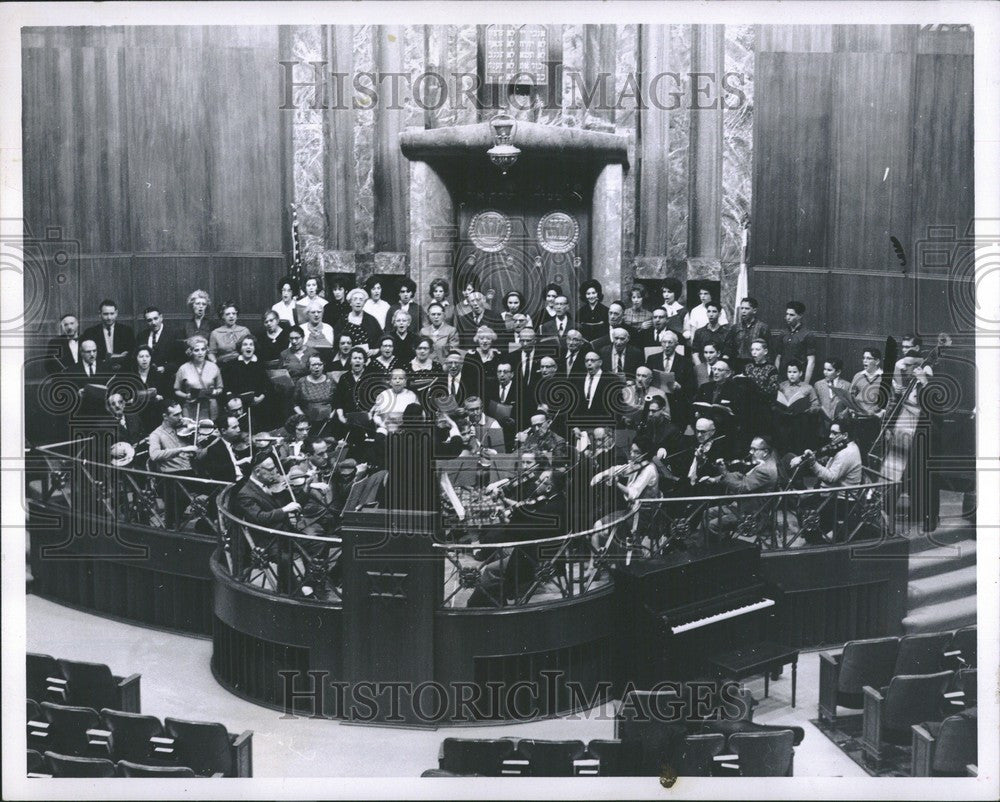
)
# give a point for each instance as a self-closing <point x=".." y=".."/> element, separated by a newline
<point x="677" y="169"/>
<point x="364" y="146"/>
<point x="572" y="110"/>
<point x="737" y="136"/>
<point x="465" y="48"/>
<point x="307" y="144"/>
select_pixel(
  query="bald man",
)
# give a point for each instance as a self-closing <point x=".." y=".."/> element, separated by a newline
<point x="620" y="357"/>
<point x="599" y="393"/>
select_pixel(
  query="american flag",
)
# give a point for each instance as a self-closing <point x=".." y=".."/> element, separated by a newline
<point x="297" y="270"/>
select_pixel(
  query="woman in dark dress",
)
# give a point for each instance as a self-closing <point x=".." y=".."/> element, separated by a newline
<point x="423" y="371"/>
<point x="592" y="317"/>
<point x="385" y="359"/>
<point x="245" y="376"/>
<point x="273" y="339"/>
<point x="353" y="390"/>
<point x="363" y="329"/>
<point x="144" y="375"/>
<point x="404" y="341"/>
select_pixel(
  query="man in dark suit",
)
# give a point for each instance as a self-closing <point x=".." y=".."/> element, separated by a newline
<point x="114" y="340"/>
<point x="63" y="352"/>
<point x="452" y="382"/>
<point x="571" y="359"/>
<point x="598" y="393"/>
<point x="478" y="315"/>
<point x="616" y="315"/>
<point x="734" y="395"/>
<point x="87" y="376"/>
<point x="619" y="357"/>
<point x="650" y="338"/>
<point x="259" y="505"/>
<point x="669" y="361"/>
<point x="506" y="394"/>
<point x="128" y="425"/>
<point x="221" y="461"/>
<point x="164" y="341"/>
<point x="558" y="327"/>
<point x="527" y="360"/>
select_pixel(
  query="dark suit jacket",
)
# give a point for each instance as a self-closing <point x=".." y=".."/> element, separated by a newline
<point x="550" y="331"/>
<point x="92" y="404"/>
<point x="633" y="358"/>
<point x="218" y="465"/>
<point x="683" y="370"/>
<point x="58" y="355"/>
<point x="462" y="390"/>
<point x="606" y="399"/>
<point x="133" y="430"/>
<point x="467" y="327"/>
<point x="260" y="507"/>
<point x="648" y="338"/>
<point x="579" y="366"/>
<point x="168" y="351"/>
<point x="734" y="394"/>
<point x="516" y="399"/>
<point x="124" y="340"/>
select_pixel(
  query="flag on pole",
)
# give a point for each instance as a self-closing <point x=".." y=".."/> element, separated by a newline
<point x="742" y="288"/>
<point x="295" y="271"/>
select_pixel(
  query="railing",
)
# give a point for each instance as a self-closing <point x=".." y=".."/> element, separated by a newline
<point x="281" y="563"/>
<point x="525" y="571"/>
<point x="74" y="475"/>
<point x="779" y="520"/>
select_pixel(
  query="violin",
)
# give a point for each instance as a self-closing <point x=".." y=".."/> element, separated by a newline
<point x="826" y="451"/>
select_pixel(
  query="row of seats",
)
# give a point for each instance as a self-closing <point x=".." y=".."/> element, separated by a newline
<point x="207" y="749"/>
<point x="874" y="662"/>
<point x="52" y="764"/>
<point x="747" y="754"/>
<point x="71" y="682"/>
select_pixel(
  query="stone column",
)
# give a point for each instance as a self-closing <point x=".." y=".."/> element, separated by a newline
<point x="606" y="220"/>
<point x="432" y="228"/>
<point x="705" y="194"/>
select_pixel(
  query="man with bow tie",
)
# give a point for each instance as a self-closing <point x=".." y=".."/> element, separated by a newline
<point x="63" y="352"/>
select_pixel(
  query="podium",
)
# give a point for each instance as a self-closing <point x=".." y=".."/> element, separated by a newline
<point x="392" y="580"/>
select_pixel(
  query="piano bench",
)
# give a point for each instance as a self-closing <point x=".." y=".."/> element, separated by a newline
<point x="760" y="658"/>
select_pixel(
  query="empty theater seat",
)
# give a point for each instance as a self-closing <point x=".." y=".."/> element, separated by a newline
<point x="945" y="748"/>
<point x="208" y="748"/>
<point x="889" y="713"/>
<point x="921" y="654"/>
<point x="550" y="758"/>
<point x="479" y="756"/>
<point x="697" y="757"/>
<point x="44" y="678"/>
<point x="68" y="730"/>
<point x="843" y="677"/>
<point x="73" y="766"/>
<point x="126" y="768"/>
<point x="93" y="685"/>
<point x="130" y="734"/>
<point x="763" y="754"/>
<point x="960" y="651"/>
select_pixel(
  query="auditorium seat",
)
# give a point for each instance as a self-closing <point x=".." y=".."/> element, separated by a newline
<point x="208" y="748"/>
<point x="37" y="765"/>
<point x="551" y="758"/>
<point x="763" y="754"/>
<point x="697" y="756"/>
<point x="67" y="730"/>
<point x="93" y="685"/>
<point x="945" y="748"/>
<point x="73" y="766"/>
<point x="615" y="758"/>
<point x="921" y="654"/>
<point x="890" y="712"/>
<point x="960" y="651"/>
<point x="129" y="735"/>
<point x="480" y="756"/>
<point x="842" y="677"/>
<point x="44" y="678"/>
<point x="126" y="768"/>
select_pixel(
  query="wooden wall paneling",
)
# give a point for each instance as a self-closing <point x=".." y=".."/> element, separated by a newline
<point x="775" y="286"/>
<point x="599" y="59"/>
<point x="942" y="305"/>
<point x="943" y="186"/>
<point x="391" y="169"/>
<point x="870" y="146"/>
<point x="874" y="38"/>
<point x="850" y="348"/>
<point x="862" y="303"/>
<point x="167" y="279"/>
<point x="106" y="276"/>
<point x="339" y="186"/>
<point x="169" y="135"/>
<point x="795" y="39"/>
<point x="244" y="152"/>
<point x="249" y="281"/>
<point x="792" y="164"/>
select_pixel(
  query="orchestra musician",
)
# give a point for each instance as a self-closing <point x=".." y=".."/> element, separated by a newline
<point x="220" y="461"/>
<point x="128" y="425"/>
<point x="761" y="477"/>
<point x="539" y="439"/>
<point x="838" y="464"/>
<point x="170" y="455"/>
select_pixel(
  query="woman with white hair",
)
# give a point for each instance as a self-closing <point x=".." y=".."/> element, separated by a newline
<point x="362" y="328"/>
<point x="198" y="382"/>
<point x="198" y="302"/>
<point x="404" y="341"/>
<point x="480" y="365"/>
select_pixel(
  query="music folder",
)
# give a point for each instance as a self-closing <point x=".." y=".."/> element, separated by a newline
<point x="798" y="406"/>
<point x="281" y="379"/>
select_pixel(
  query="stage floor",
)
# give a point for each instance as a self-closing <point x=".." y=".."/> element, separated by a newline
<point x="177" y="681"/>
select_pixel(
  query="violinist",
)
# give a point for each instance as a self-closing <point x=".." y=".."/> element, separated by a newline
<point x="638" y="478"/>
<point x="843" y="467"/>
<point x="221" y="461"/>
<point x="761" y="477"/>
<point x="295" y="433"/>
<point x="264" y="497"/>
<point x="171" y="455"/>
<point x="708" y="450"/>
<point x="311" y="482"/>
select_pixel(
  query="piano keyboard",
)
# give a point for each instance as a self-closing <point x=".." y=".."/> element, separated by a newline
<point x="712" y="619"/>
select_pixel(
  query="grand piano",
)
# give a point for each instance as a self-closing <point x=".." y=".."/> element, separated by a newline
<point x="678" y="611"/>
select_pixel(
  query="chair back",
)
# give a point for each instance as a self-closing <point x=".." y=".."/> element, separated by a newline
<point x="654" y="727"/>
<point x="697" y="753"/>
<point x="71" y="766"/>
<point x="967" y="682"/>
<point x="204" y="746"/>
<point x="921" y="654"/>
<point x="483" y="756"/>
<point x="617" y="758"/>
<point x="32" y="711"/>
<point x="956" y="744"/>
<point x="126" y="768"/>
<point x="130" y="734"/>
<point x="764" y="754"/>
<point x="90" y="684"/>
<point x="68" y="727"/>
<point x="36" y="762"/>
<point x="551" y="758"/>
<point x="39" y="668"/>
<point x="913" y="698"/>
<point x="867" y="662"/>
<point x="963" y="642"/>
